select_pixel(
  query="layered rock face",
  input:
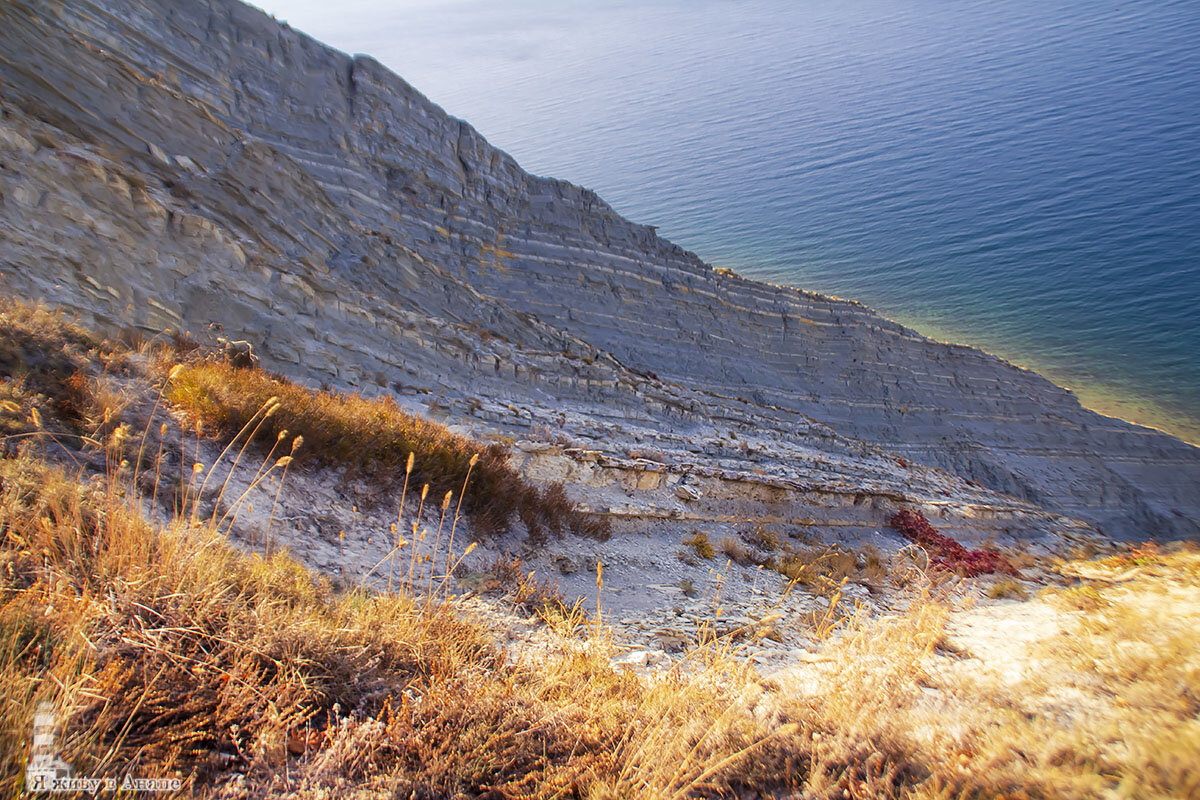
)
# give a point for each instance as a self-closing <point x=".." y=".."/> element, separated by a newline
<point x="168" y="165"/>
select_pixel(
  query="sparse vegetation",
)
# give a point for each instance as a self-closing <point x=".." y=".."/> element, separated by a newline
<point x="736" y="552"/>
<point x="373" y="438"/>
<point x="43" y="359"/>
<point x="165" y="651"/>
<point x="1007" y="588"/>
<point x="873" y="564"/>
<point x="1081" y="598"/>
<point x="532" y="594"/>
<point x="161" y="646"/>
<point x="762" y="538"/>
<point x="1140" y="555"/>
<point x="700" y="544"/>
<point x="822" y="570"/>
<point x="944" y="552"/>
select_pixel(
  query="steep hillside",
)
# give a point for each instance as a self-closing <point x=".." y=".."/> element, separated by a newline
<point x="185" y="605"/>
<point x="170" y="165"/>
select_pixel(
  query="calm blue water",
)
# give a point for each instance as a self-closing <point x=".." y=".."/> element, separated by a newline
<point x="1023" y="176"/>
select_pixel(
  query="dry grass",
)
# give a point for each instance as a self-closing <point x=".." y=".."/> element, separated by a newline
<point x="699" y="543"/>
<point x="1006" y="588"/>
<point x="44" y="366"/>
<point x="1079" y="598"/>
<point x="1147" y="554"/>
<point x="763" y="538"/>
<point x="1108" y="707"/>
<point x="528" y="592"/>
<point x="156" y="642"/>
<point x="737" y="552"/>
<point x="373" y="438"/>
<point x="1131" y="660"/>
<point x="873" y="565"/>
<point x="164" y="649"/>
<point x="1023" y="560"/>
<point x="822" y="570"/>
<point x="166" y="652"/>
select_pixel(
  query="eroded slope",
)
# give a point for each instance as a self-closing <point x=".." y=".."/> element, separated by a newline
<point x="204" y="163"/>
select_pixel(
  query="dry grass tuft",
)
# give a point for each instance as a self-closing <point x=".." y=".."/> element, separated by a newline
<point x="822" y="570"/>
<point x="1007" y="588"/>
<point x="737" y="552"/>
<point x="44" y="361"/>
<point x="763" y="539"/>
<point x="1080" y="598"/>
<point x="531" y="594"/>
<point x="1146" y="554"/>
<point x="699" y="542"/>
<point x="374" y="438"/>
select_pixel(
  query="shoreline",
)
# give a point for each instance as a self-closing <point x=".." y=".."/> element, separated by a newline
<point x="1106" y="400"/>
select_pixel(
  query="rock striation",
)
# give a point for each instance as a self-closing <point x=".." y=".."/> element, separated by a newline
<point x="167" y="165"/>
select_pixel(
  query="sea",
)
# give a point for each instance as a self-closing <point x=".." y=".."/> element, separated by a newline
<point x="1020" y="176"/>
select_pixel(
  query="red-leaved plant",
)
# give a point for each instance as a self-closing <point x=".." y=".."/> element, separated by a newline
<point x="944" y="552"/>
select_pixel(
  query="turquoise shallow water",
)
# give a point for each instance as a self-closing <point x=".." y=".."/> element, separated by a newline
<point x="1022" y="176"/>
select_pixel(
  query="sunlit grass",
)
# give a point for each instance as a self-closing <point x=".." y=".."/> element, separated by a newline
<point x="374" y="438"/>
<point x="166" y="651"/>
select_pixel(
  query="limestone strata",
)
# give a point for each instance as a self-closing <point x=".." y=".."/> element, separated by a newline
<point x="171" y="164"/>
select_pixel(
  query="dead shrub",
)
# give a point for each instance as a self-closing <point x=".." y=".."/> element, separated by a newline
<point x="737" y="552"/>
<point x="762" y="538"/>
